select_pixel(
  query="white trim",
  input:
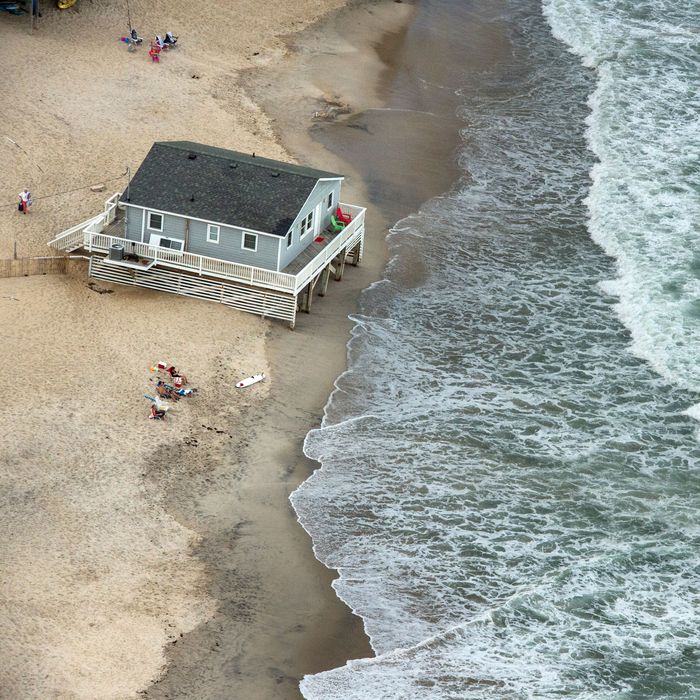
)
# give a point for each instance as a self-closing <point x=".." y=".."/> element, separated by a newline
<point x="331" y="179"/>
<point x="207" y="221"/>
<point x="143" y="226"/>
<point x="162" y="221"/>
<point x="218" y="233"/>
<point x="279" y="252"/>
<point x="243" y="245"/>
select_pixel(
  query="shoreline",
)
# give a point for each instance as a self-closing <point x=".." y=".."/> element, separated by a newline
<point x="408" y="144"/>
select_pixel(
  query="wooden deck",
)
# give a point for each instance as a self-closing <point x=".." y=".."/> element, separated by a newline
<point x="117" y="227"/>
<point x="313" y="250"/>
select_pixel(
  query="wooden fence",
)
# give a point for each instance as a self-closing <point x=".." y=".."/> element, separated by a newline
<point x="253" y="300"/>
<point x="24" y="267"/>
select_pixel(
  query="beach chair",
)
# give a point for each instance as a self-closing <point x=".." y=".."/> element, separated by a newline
<point x="335" y="226"/>
<point x="345" y="218"/>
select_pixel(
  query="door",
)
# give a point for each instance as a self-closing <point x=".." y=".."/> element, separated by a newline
<point x="317" y="219"/>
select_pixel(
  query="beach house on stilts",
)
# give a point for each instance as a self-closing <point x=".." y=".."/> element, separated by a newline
<point x="256" y="234"/>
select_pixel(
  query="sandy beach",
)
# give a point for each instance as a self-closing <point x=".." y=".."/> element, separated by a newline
<point x="163" y="559"/>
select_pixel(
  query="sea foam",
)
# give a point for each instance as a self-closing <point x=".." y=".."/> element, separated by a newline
<point x="644" y="130"/>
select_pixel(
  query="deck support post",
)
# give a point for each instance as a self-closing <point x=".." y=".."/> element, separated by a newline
<point x="325" y="276"/>
<point x="341" y="266"/>
<point x="306" y="308"/>
<point x="356" y="255"/>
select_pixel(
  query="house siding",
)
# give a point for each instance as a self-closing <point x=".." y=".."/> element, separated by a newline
<point x="318" y="195"/>
<point x="133" y="218"/>
<point x="230" y="246"/>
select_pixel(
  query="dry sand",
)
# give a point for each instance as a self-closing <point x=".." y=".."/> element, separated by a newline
<point x="97" y="576"/>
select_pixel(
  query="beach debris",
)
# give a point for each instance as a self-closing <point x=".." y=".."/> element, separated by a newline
<point x="332" y="108"/>
<point x="92" y="286"/>
<point x="254" y="379"/>
<point x="167" y="392"/>
<point x="97" y="188"/>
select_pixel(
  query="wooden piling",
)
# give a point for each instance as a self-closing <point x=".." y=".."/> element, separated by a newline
<point x="325" y="276"/>
<point x="341" y="266"/>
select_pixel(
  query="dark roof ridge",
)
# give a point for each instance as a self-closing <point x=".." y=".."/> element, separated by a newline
<point x="259" y="161"/>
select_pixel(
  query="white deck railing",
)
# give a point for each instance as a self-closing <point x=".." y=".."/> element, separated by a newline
<point x="89" y="235"/>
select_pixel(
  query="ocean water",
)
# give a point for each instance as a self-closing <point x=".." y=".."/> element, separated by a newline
<point x="509" y="482"/>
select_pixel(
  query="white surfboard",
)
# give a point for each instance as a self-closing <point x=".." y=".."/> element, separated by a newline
<point x="250" y="380"/>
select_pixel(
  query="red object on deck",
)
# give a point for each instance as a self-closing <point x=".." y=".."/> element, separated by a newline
<point x="345" y="218"/>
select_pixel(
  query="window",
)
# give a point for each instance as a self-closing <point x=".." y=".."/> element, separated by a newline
<point x="250" y="241"/>
<point x="212" y="233"/>
<point x="306" y="224"/>
<point x="289" y="237"/>
<point x="330" y="200"/>
<point x="155" y="221"/>
<point x="169" y="243"/>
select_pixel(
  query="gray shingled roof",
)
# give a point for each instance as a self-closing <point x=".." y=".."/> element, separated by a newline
<point x="222" y="186"/>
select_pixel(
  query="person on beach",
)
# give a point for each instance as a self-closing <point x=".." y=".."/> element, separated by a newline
<point x="25" y="201"/>
<point x="177" y="375"/>
<point x="165" y="392"/>
<point x="157" y="413"/>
